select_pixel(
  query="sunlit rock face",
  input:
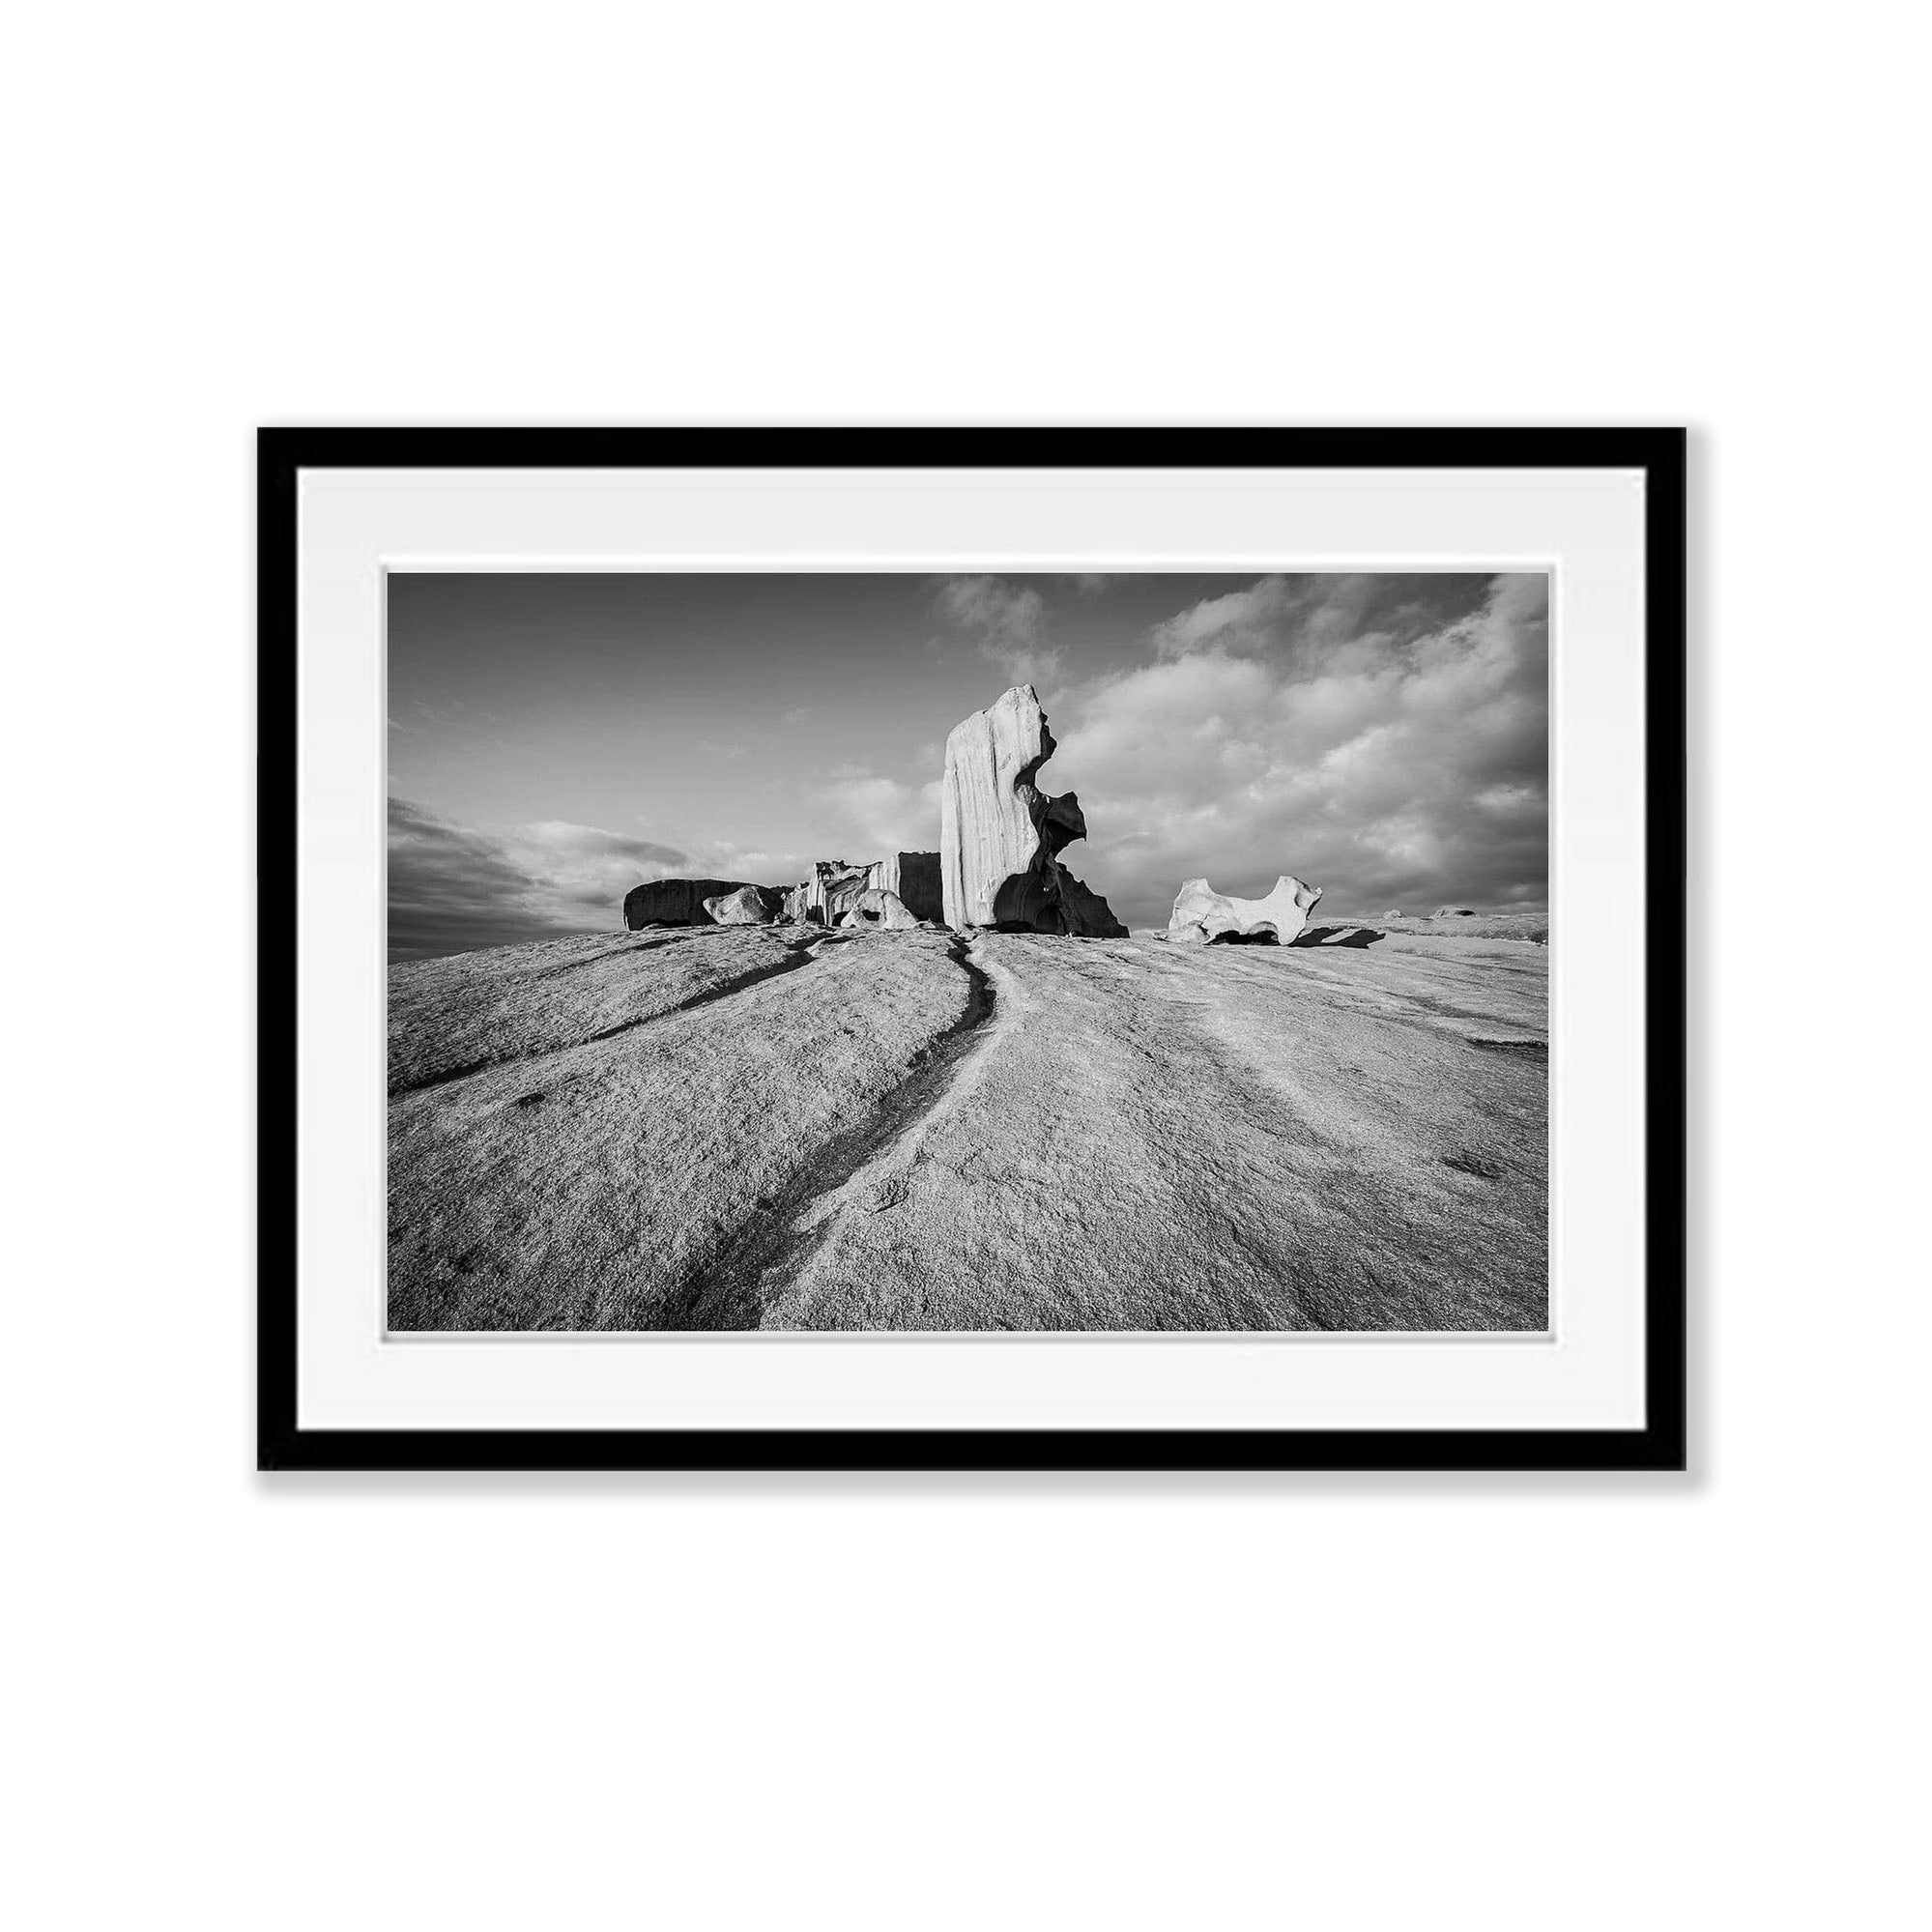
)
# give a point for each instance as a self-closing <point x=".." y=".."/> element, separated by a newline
<point x="886" y="910"/>
<point x="1202" y="915"/>
<point x="748" y="906"/>
<point x="1000" y="834"/>
<point x="677" y="902"/>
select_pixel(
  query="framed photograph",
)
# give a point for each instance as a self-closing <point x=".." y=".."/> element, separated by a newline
<point x="972" y="949"/>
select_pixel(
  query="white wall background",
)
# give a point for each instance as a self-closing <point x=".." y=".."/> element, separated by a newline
<point x="1399" y="1704"/>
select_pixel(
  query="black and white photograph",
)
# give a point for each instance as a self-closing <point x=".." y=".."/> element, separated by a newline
<point x="933" y="1009"/>
<point x="967" y="953"/>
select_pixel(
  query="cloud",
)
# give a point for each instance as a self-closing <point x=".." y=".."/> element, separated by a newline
<point x="1322" y="622"/>
<point x="1004" y="622"/>
<point x="711" y="748"/>
<point x="723" y="859"/>
<point x="864" y="816"/>
<point x="583" y="868"/>
<point x="1386" y="738"/>
<point x="455" y="888"/>
<point x="798" y="715"/>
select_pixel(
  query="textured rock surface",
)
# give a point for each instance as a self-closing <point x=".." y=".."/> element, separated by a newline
<point x="748" y="906"/>
<point x="1001" y="836"/>
<point x="1201" y="915"/>
<point x="1150" y="1137"/>
<point x="734" y="1127"/>
<point x="607" y="1183"/>
<point x="677" y="902"/>
<point x="450" y="1018"/>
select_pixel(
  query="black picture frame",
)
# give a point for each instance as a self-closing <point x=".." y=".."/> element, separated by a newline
<point x="1659" y="1444"/>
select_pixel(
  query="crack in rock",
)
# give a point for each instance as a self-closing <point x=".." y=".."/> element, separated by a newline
<point x="734" y="1288"/>
<point x="797" y="954"/>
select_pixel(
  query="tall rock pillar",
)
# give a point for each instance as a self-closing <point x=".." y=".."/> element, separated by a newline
<point x="999" y="833"/>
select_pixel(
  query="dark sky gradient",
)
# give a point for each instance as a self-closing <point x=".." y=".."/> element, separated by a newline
<point x="556" y="739"/>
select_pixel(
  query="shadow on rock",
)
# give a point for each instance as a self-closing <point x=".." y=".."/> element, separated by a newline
<point x="1356" y="936"/>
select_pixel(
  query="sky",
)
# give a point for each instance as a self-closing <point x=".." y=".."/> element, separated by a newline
<point x="554" y="740"/>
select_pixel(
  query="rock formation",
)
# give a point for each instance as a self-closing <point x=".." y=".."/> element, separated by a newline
<point x="822" y="899"/>
<point x="874" y="907"/>
<point x="681" y="902"/>
<point x="836" y="886"/>
<point x="839" y="890"/>
<point x="913" y="877"/>
<point x="999" y="835"/>
<point x="1353" y="936"/>
<point x="748" y="906"/>
<point x="1202" y="915"/>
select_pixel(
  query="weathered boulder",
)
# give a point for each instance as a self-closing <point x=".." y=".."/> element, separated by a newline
<point x="677" y="902"/>
<point x="1201" y="915"/>
<point x="746" y="906"/>
<point x="874" y="907"/>
<point x="1000" y="834"/>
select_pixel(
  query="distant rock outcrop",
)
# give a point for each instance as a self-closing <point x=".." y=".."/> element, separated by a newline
<point x="1000" y="834"/>
<point x="1202" y="915"/>
<point x="748" y="906"/>
<point x="681" y="902"/>
<point x="837" y="885"/>
<point x="821" y="898"/>
<point x="1350" y="934"/>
